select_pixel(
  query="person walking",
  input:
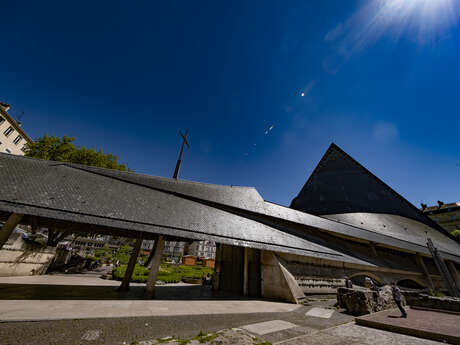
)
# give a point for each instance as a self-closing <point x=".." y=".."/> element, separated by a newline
<point x="397" y="298"/>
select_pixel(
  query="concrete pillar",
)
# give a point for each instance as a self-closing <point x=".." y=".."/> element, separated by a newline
<point x="131" y="264"/>
<point x="149" y="260"/>
<point x="421" y="265"/>
<point x="454" y="272"/>
<point x="245" y="272"/>
<point x="8" y="227"/>
<point x="155" y="266"/>
<point x="217" y="268"/>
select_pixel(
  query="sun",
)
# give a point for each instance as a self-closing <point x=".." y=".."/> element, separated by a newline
<point x="421" y="20"/>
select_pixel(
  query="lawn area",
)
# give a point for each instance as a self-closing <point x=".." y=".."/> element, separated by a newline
<point x="169" y="273"/>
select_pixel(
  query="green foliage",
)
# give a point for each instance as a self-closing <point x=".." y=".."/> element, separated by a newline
<point x="92" y="258"/>
<point x="123" y="253"/>
<point x="140" y="274"/>
<point x="103" y="254"/>
<point x="64" y="150"/>
<point x="170" y="273"/>
<point x="455" y="233"/>
<point x="205" y="338"/>
<point x="436" y="293"/>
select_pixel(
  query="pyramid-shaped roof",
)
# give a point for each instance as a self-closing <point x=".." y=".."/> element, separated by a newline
<point x="339" y="184"/>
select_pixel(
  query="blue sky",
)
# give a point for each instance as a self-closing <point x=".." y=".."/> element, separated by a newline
<point x="380" y="78"/>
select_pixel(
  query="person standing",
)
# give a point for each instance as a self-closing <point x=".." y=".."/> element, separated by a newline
<point x="397" y="298"/>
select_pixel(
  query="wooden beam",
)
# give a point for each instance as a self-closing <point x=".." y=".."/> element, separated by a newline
<point x="454" y="272"/>
<point x="245" y="272"/>
<point x="8" y="227"/>
<point x="217" y="267"/>
<point x="421" y="264"/>
<point x="152" y="251"/>
<point x="131" y="264"/>
<point x="155" y="266"/>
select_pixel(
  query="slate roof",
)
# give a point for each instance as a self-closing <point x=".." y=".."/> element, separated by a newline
<point x="341" y="185"/>
<point x="148" y="204"/>
<point x="87" y="195"/>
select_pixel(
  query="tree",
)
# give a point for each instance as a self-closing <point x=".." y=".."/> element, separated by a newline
<point x="64" y="150"/>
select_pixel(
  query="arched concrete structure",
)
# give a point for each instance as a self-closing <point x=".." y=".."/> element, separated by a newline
<point x="418" y="282"/>
<point x="374" y="277"/>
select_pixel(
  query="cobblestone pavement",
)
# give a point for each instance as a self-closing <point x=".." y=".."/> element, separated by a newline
<point x="314" y="323"/>
<point x="290" y="328"/>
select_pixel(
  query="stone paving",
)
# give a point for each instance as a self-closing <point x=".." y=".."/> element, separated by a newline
<point x="428" y="324"/>
<point x="134" y="320"/>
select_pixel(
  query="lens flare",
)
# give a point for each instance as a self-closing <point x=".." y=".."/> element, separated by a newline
<point x="423" y="21"/>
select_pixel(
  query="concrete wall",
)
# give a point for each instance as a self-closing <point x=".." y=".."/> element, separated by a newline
<point x="324" y="276"/>
<point x="18" y="258"/>
<point x="277" y="282"/>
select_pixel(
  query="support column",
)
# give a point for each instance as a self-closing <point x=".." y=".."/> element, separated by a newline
<point x="8" y="227"/>
<point x="217" y="268"/>
<point x="421" y="265"/>
<point x="131" y="264"/>
<point x="156" y="261"/>
<point x="149" y="260"/>
<point x="245" y="272"/>
<point x="453" y="270"/>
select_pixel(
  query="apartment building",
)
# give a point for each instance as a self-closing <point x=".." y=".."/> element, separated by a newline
<point x="446" y="215"/>
<point x="13" y="139"/>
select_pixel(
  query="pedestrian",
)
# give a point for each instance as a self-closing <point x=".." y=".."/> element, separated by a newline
<point x="348" y="283"/>
<point x="208" y="279"/>
<point x="397" y="298"/>
<point x="369" y="283"/>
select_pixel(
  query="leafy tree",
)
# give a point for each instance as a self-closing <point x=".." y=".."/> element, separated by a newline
<point x="104" y="253"/>
<point x="123" y="253"/>
<point x="64" y="150"/>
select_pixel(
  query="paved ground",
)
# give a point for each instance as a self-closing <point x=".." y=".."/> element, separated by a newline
<point x="124" y="319"/>
<point x="429" y="324"/>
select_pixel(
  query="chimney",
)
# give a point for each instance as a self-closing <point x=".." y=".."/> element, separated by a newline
<point x="5" y="106"/>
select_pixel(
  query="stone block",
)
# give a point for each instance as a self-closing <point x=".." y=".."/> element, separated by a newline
<point x="361" y="301"/>
<point x="416" y="299"/>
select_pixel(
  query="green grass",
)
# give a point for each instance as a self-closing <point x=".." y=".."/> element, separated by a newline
<point x="168" y="273"/>
<point x="204" y="338"/>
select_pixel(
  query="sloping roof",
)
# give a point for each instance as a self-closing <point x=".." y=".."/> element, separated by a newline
<point x="87" y="195"/>
<point x="143" y="203"/>
<point x="339" y="184"/>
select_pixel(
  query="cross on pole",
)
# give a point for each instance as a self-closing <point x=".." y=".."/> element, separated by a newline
<point x="179" y="161"/>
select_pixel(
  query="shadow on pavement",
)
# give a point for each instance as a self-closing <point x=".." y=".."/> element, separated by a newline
<point x="85" y="292"/>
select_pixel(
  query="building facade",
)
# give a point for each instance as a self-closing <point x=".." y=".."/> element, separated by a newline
<point x="446" y="215"/>
<point x="13" y="138"/>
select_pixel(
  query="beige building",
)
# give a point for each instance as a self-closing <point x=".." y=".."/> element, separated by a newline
<point x="13" y="139"/>
<point x="446" y="215"/>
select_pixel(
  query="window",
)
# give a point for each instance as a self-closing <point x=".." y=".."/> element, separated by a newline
<point x="24" y="148"/>
<point x="7" y="150"/>
<point x="17" y="140"/>
<point x="8" y="131"/>
<point x="1" y="120"/>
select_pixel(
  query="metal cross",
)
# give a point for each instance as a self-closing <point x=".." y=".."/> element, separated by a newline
<point x="179" y="161"/>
